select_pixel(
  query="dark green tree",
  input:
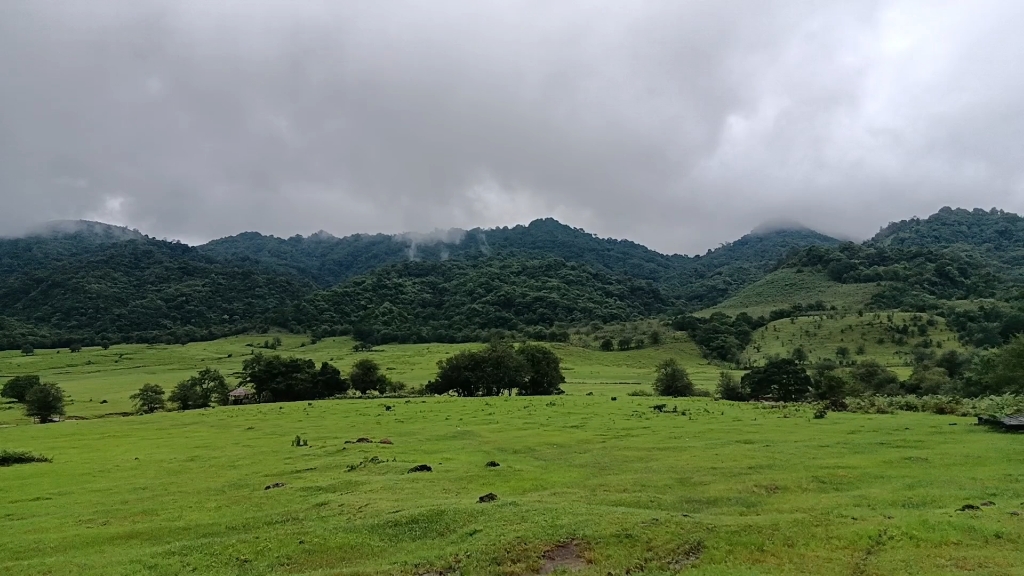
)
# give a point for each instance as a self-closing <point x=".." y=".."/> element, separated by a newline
<point x="200" y="391"/>
<point x="149" y="399"/>
<point x="782" y="380"/>
<point x="366" y="375"/>
<point x="842" y="353"/>
<point x="543" y="371"/>
<point x="17" y="388"/>
<point x="607" y="345"/>
<point x="671" y="379"/>
<point x="290" y="379"/>
<point x="27" y="350"/>
<point x="44" y="401"/>
<point x="799" y="354"/>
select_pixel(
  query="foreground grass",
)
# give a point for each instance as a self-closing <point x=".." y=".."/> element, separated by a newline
<point x="99" y="382"/>
<point x="724" y="489"/>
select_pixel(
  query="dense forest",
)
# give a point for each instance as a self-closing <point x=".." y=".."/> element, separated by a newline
<point x="90" y="283"/>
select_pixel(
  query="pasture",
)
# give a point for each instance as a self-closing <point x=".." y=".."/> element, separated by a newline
<point x="93" y="375"/>
<point x="715" y="489"/>
<point x="871" y="334"/>
<point x="786" y="287"/>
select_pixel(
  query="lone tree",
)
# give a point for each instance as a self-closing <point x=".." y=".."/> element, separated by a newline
<point x="75" y="348"/>
<point x="799" y="354"/>
<point x="783" y="380"/>
<point x="671" y="379"/>
<point x="201" y="390"/>
<point x="729" y="387"/>
<point x="842" y="353"/>
<point x="366" y="375"/>
<point x="149" y="399"/>
<point x="28" y="350"/>
<point x="44" y="401"/>
<point x="17" y="388"/>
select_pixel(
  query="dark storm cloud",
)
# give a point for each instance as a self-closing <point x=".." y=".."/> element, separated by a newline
<point x="677" y="124"/>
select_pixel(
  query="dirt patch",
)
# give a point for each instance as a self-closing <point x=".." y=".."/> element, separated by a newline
<point x="489" y="497"/>
<point x="274" y="485"/>
<point x="987" y="504"/>
<point x="687" y="556"/>
<point x="968" y="508"/>
<point x="385" y="441"/>
<point x="420" y="468"/>
<point x="566" y="557"/>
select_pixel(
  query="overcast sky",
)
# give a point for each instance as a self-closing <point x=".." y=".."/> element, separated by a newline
<point x="678" y="124"/>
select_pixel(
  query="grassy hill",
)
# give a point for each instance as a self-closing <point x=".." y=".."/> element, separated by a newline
<point x="94" y="375"/>
<point x="873" y="335"/>
<point x="788" y="286"/>
<point x="608" y="487"/>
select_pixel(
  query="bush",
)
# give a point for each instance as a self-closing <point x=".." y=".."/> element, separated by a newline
<point x="27" y="350"/>
<point x="12" y="457"/>
<point x="671" y="379"/>
<point x="292" y="379"/>
<point x="729" y="388"/>
<point x="44" y="401"/>
<point x="17" y="388"/>
<point x="637" y="392"/>
<point x="781" y="379"/>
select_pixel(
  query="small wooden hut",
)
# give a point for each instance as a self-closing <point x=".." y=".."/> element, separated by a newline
<point x="241" y="396"/>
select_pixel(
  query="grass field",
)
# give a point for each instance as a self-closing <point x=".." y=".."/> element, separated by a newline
<point x="94" y="375"/>
<point x="724" y="489"/>
<point x="820" y="336"/>
<point x="786" y="287"/>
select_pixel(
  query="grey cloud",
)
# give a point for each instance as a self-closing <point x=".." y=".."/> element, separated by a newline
<point x="677" y="124"/>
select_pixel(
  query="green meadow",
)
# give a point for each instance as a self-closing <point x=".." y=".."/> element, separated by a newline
<point x="822" y="335"/>
<point x="93" y="375"/>
<point x="586" y="483"/>
<point x="786" y="287"/>
<point x="717" y="488"/>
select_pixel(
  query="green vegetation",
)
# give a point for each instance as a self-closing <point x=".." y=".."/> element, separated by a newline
<point x="720" y="488"/>
<point x="894" y="339"/>
<point x="12" y="457"/>
<point x="114" y="375"/>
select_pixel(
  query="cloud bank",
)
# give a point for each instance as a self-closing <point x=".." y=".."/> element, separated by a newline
<point x="678" y="124"/>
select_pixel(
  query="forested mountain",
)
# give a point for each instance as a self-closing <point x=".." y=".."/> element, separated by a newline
<point x="698" y="280"/>
<point x="465" y="300"/>
<point x="88" y="282"/>
<point x="72" y="288"/>
<point x="991" y="234"/>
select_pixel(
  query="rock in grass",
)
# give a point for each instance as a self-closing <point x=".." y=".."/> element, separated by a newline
<point x="492" y="464"/>
<point x="987" y="504"/>
<point x="274" y="485"/>
<point x="968" y="508"/>
<point x="420" y="468"/>
<point x="489" y="497"/>
<point x="385" y="441"/>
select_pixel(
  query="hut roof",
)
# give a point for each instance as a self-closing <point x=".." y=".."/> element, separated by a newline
<point x="239" y="392"/>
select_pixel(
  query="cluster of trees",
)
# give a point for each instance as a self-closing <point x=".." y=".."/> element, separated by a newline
<point x="500" y="368"/>
<point x="43" y="401"/>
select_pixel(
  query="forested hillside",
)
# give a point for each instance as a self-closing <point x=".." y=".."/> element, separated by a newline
<point x="88" y="282"/>
<point x="467" y="300"/>
<point x="132" y="290"/>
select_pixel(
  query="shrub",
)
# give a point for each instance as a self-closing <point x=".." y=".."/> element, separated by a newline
<point x="27" y="350"/>
<point x="729" y="388"/>
<point x="44" y="401"/>
<point x="17" y="388"/>
<point x="12" y="457"/>
<point x="671" y="379"/>
<point x="637" y="392"/>
<point x="781" y="379"/>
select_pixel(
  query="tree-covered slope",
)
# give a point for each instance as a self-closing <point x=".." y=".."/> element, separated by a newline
<point x="464" y="300"/>
<point x="992" y="234"/>
<point x="144" y="290"/>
